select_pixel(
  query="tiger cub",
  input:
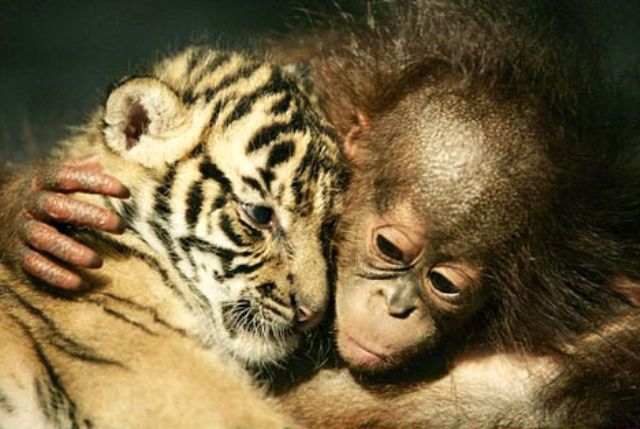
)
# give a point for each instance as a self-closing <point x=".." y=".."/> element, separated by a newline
<point x="235" y="180"/>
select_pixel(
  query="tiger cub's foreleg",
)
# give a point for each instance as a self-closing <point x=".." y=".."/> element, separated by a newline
<point x="55" y="374"/>
<point x="30" y="394"/>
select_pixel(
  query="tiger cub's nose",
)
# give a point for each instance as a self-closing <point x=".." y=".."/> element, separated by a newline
<point x="306" y="316"/>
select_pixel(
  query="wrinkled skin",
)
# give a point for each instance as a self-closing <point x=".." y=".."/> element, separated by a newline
<point x="48" y="203"/>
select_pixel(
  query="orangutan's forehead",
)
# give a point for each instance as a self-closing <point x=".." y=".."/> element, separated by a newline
<point x="475" y="168"/>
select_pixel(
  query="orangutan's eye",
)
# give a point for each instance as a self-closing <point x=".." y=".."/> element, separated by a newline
<point x="442" y="285"/>
<point x="388" y="249"/>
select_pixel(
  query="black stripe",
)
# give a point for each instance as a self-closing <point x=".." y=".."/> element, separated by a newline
<point x="297" y="188"/>
<point x="191" y="261"/>
<point x="55" y="405"/>
<point x="279" y="301"/>
<point x="226" y="255"/>
<point x="195" y="200"/>
<point x="125" y="319"/>
<point x="189" y="96"/>
<point x="308" y="159"/>
<point x="283" y="105"/>
<point x="48" y="405"/>
<point x="280" y="153"/>
<point x="129" y="211"/>
<point x="210" y="171"/>
<point x="243" y="106"/>
<point x="153" y="312"/>
<point x="254" y="184"/>
<point x="267" y="177"/>
<point x="166" y="240"/>
<point x="219" y="202"/>
<point x="243" y="73"/>
<point x="58" y="339"/>
<point x="216" y="111"/>
<point x="227" y="228"/>
<point x="250" y="230"/>
<point x="211" y="67"/>
<point x="83" y="352"/>
<point x="214" y="64"/>
<point x="243" y="269"/>
<point x="197" y="151"/>
<point x="161" y="197"/>
<point x="268" y="134"/>
<point x="276" y="83"/>
<point x="55" y="389"/>
<point x="195" y="59"/>
<point x="193" y="264"/>
<point x="273" y="309"/>
<point x="329" y="132"/>
<point x="308" y="169"/>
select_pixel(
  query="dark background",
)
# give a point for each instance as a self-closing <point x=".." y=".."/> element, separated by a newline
<point x="58" y="56"/>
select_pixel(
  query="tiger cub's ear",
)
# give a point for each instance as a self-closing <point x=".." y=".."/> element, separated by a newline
<point x="144" y="121"/>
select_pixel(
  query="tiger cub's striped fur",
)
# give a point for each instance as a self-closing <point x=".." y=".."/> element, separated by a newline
<point x="235" y="180"/>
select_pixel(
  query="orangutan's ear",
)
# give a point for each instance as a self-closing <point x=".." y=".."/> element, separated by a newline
<point x="354" y="149"/>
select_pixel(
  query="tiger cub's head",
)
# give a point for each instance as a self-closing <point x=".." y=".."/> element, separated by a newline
<point x="235" y="182"/>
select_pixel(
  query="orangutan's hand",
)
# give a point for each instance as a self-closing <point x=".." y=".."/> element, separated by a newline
<point x="45" y="252"/>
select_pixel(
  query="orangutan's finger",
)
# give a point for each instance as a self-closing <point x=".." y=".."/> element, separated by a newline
<point x="47" y="239"/>
<point x="75" y="179"/>
<point x="54" y="207"/>
<point x="44" y="269"/>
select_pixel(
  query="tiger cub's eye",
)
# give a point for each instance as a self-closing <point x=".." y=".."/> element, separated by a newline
<point x="261" y="216"/>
